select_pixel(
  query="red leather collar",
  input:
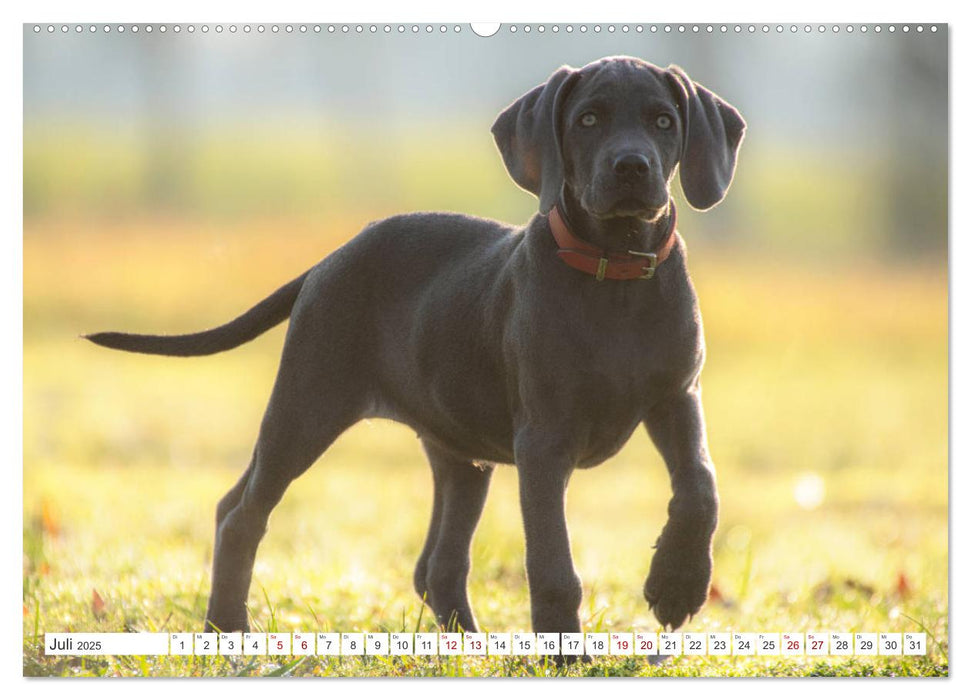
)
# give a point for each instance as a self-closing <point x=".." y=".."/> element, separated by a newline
<point x="632" y="265"/>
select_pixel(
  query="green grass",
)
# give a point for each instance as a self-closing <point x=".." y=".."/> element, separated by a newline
<point x="833" y="376"/>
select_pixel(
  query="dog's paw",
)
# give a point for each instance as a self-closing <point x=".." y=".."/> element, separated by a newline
<point x="557" y="664"/>
<point x="564" y="661"/>
<point x="226" y="623"/>
<point x="677" y="585"/>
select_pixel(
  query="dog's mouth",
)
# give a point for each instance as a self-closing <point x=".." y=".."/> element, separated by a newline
<point x="629" y="207"/>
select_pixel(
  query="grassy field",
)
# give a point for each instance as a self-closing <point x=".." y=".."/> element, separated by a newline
<point x="826" y="400"/>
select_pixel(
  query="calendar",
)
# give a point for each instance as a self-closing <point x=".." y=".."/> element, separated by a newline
<point x="667" y="644"/>
<point x="445" y="295"/>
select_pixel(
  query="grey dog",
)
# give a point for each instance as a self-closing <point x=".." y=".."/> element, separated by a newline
<point x="542" y="346"/>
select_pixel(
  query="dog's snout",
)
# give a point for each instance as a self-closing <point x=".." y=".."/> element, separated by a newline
<point x="631" y="165"/>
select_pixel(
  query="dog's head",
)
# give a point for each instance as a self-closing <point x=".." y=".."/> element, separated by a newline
<point x="614" y="132"/>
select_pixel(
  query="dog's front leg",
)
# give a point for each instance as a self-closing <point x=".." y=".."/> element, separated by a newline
<point x="554" y="586"/>
<point x="680" y="575"/>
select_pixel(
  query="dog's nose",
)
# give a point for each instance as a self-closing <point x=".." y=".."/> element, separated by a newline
<point x="631" y="165"/>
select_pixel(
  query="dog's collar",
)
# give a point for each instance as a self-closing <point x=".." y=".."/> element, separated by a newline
<point x="583" y="256"/>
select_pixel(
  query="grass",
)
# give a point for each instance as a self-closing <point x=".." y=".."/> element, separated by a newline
<point x="826" y="401"/>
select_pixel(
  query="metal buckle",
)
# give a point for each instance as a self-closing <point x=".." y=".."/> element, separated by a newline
<point x="602" y="269"/>
<point x="651" y="263"/>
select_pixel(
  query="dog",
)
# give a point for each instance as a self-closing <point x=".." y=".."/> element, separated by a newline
<point x="543" y="346"/>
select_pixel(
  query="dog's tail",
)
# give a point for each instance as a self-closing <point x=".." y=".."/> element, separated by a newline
<point x="271" y="311"/>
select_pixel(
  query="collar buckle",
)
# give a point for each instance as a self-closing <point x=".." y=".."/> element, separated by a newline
<point x="650" y="267"/>
<point x="602" y="269"/>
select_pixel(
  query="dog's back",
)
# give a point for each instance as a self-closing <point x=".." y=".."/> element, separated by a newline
<point x="420" y="301"/>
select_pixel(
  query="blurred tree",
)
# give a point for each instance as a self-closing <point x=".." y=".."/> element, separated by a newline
<point x="166" y="144"/>
<point x="916" y="177"/>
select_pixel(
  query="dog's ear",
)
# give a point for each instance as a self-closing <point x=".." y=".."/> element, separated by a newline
<point x="528" y="136"/>
<point x="713" y="132"/>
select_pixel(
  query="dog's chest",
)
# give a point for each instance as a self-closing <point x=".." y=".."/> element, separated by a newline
<point x="595" y="372"/>
<point x="630" y="345"/>
<point x="619" y="380"/>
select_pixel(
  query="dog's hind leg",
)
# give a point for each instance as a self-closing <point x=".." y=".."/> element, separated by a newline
<point x="443" y="567"/>
<point x="315" y="399"/>
<point x="242" y="517"/>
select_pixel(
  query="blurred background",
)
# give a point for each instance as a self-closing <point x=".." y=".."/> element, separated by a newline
<point x="847" y="145"/>
<point x="173" y="179"/>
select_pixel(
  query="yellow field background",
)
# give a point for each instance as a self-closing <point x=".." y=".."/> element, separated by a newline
<point x="825" y="393"/>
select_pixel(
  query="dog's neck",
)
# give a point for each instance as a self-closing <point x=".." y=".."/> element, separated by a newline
<point x="617" y="235"/>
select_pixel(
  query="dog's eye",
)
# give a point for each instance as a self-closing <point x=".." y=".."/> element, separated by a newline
<point x="663" y="121"/>
<point x="588" y="119"/>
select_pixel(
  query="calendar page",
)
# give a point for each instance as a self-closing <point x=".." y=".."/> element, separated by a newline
<point x="376" y="349"/>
